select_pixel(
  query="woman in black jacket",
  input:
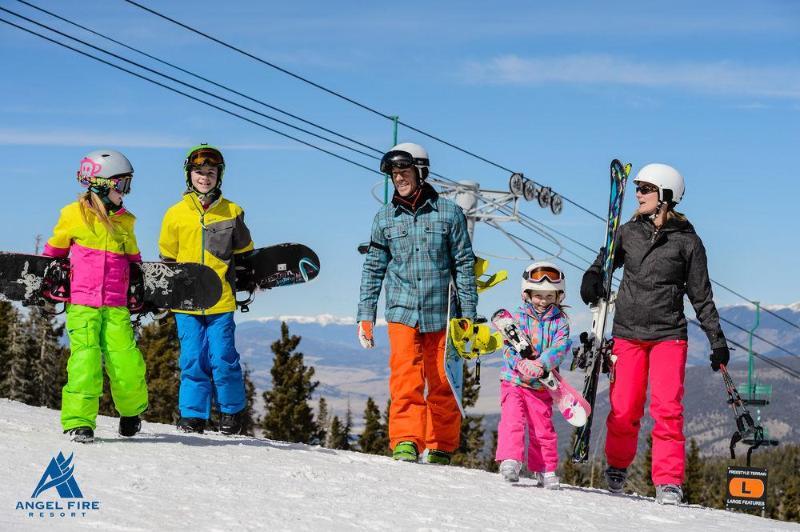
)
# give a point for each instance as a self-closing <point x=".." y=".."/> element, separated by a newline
<point x="663" y="259"/>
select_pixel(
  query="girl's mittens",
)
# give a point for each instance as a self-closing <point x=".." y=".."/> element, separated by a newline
<point x="530" y="369"/>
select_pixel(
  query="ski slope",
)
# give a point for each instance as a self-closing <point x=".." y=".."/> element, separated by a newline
<point x="165" y="480"/>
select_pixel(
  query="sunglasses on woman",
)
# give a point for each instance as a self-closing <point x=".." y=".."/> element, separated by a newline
<point x="646" y="188"/>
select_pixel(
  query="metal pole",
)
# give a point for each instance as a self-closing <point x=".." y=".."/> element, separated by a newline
<point x="750" y="363"/>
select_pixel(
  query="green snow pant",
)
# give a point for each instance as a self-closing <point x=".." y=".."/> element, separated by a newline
<point x="93" y="332"/>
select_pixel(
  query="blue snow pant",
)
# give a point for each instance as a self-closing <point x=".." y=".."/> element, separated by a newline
<point x="208" y="352"/>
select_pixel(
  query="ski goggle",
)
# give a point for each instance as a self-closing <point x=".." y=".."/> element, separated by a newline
<point x="400" y="160"/>
<point x="543" y="273"/>
<point x="121" y="184"/>
<point x="205" y="156"/>
<point x="646" y="188"/>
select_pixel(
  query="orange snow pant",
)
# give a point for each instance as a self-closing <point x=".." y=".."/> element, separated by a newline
<point x="416" y="360"/>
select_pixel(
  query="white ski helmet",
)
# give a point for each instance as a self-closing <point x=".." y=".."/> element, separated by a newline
<point x="543" y="276"/>
<point x="668" y="180"/>
<point x="406" y="155"/>
<point x="101" y="165"/>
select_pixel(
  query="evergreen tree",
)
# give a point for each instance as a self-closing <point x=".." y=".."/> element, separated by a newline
<point x="471" y="448"/>
<point x="693" y="484"/>
<point x="373" y="440"/>
<point x="250" y="419"/>
<point x="491" y="464"/>
<point x="322" y="423"/>
<point x="288" y="415"/>
<point x="338" y="437"/>
<point x="8" y="319"/>
<point x="21" y="380"/>
<point x="49" y="356"/>
<point x="571" y="473"/>
<point x="640" y="473"/>
<point x="160" y="347"/>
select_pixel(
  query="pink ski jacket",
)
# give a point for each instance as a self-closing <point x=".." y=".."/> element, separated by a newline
<point x="99" y="260"/>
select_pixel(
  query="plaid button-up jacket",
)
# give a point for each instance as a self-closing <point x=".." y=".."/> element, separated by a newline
<point x="418" y="254"/>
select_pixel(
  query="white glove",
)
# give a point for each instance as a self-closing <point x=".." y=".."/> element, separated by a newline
<point x="365" y="334"/>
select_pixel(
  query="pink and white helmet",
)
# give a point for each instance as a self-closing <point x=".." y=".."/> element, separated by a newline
<point x="103" y="164"/>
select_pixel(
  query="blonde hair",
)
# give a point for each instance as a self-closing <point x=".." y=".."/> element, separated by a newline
<point x="671" y="214"/>
<point x="91" y="202"/>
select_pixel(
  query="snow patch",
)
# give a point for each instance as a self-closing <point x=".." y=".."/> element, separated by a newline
<point x="163" y="478"/>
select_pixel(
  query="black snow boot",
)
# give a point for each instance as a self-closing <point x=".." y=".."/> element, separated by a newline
<point x="81" y="434"/>
<point x="192" y="424"/>
<point x="615" y="479"/>
<point x="129" y="426"/>
<point x="231" y="423"/>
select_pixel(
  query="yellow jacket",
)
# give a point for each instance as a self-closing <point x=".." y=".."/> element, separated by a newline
<point x="211" y="237"/>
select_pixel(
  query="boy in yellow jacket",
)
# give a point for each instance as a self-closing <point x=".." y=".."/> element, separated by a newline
<point x="206" y="228"/>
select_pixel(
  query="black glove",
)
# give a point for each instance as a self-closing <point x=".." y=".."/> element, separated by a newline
<point x="591" y="287"/>
<point x="720" y="357"/>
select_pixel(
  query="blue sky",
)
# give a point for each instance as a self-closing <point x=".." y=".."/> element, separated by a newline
<point x="555" y="92"/>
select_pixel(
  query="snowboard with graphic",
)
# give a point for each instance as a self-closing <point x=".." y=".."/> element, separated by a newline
<point x="39" y="280"/>
<point x="566" y="399"/>
<point x="278" y="265"/>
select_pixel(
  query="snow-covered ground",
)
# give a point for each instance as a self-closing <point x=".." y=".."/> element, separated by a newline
<point x="164" y="480"/>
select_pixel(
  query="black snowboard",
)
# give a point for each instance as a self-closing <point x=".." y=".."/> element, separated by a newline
<point x="279" y="265"/>
<point x="177" y="285"/>
<point x="37" y="280"/>
<point x="33" y="279"/>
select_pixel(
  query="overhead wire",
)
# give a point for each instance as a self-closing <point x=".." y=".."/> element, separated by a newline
<point x="200" y="100"/>
<point x="772" y="362"/>
<point x="202" y="78"/>
<point x="173" y="79"/>
<point x="729" y="322"/>
<point x="336" y="94"/>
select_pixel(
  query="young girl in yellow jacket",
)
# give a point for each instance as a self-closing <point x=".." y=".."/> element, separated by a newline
<point x="96" y="232"/>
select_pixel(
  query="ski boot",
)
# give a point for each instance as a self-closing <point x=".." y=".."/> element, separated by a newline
<point x="615" y="478"/>
<point x="192" y="424"/>
<point x="439" y="457"/>
<point x="129" y="426"/>
<point x="230" y="424"/>
<point x="669" y="494"/>
<point x="81" y="434"/>
<point x="405" y="451"/>
<point x="509" y="470"/>
<point x="549" y="480"/>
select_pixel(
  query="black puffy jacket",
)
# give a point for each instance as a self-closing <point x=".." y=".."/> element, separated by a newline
<point x="659" y="268"/>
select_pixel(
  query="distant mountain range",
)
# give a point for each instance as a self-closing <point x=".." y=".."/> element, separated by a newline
<point x="348" y="373"/>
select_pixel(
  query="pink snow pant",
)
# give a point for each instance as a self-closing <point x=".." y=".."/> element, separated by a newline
<point x="666" y="363"/>
<point x="522" y="407"/>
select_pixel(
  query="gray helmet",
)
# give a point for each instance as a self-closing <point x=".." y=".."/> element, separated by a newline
<point x="103" y="164"/>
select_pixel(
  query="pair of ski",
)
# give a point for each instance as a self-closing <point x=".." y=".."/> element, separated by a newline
<point x="575" y="409"/>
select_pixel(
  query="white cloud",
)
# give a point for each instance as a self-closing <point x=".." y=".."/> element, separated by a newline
<point x="53" y="137"/>
<point x="721" y="77"/>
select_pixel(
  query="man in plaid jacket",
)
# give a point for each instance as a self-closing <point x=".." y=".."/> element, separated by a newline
<point x="419" y="244"/>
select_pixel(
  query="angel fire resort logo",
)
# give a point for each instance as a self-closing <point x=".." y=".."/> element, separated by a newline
<point x="58" y="478"/>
